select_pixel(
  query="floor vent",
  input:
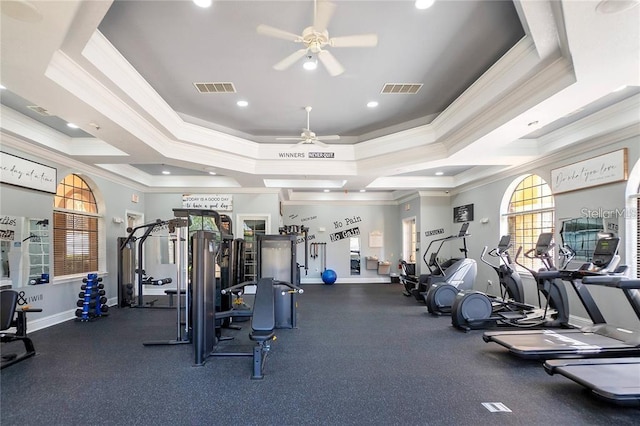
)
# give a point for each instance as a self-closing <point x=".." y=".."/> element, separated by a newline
<point x="401" y="88"/>
<point x="224" y="87"/>
<point x="39" y="110"/>
<point x="496" y="407"/>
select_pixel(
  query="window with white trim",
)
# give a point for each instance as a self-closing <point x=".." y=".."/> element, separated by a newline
<point x="75" y="228"/>
<point x="530" y="212"/>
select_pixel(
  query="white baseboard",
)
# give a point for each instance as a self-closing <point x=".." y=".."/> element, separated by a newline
<point x="60" y="317"/>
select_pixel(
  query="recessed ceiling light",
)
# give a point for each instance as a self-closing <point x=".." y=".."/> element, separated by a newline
<point x="372" y="104"/>
<point x="326" y="190"/>
<point x="73" y="126"/>
<point x="363" y="190"/>
<point x="166" y="172"/>
<point x="439" y="173"/>
<point x="202" y="3"/>
<point x="424" y="4"/>
<point x="212" y="173"/>
<point x="242" y="103"/>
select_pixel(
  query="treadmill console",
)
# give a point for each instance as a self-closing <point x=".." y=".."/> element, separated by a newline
<point x="605" y="251"/>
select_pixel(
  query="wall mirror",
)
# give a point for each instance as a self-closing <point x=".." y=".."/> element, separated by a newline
<point x="25" y="248"/>
<point x="354" y="253"/>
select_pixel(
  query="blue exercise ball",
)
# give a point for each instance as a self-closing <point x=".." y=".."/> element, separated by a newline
<point x="329" y="276"/>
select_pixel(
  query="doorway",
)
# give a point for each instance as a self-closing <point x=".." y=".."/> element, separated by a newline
<point x="409" y="240"/>
<point x="249" y="227"/>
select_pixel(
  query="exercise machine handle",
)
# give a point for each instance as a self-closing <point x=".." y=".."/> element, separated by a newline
<point x="294" y="288"/>
<point x="484" y="252"/>
<point x="237" y="286"/>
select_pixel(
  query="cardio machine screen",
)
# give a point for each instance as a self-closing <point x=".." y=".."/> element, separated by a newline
<point x="606" y="246"/>
<point x="505" y="240"/>
<point x="544" y="241"/>
<point x="463" y="229"/>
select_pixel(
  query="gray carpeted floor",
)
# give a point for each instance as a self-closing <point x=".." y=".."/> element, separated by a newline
<point x="362" y="355"/>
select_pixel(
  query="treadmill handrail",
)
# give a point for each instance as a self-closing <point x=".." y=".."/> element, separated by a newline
<point x="608" y="280"/>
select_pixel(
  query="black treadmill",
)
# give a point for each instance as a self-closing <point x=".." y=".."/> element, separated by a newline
<point x="615" y="380"/>
<point x="597" y="340"/>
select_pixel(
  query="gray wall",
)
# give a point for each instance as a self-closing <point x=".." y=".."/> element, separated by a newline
<point x="325" y="220"/>
<point x="58" y="299"/>
<point x="431" y="211"/>
<point x="487" y="200"/>
<point x="436" y="214"/>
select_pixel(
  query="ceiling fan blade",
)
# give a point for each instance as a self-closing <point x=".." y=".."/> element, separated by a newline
<point x="290" y="60"/>
<point x="277" y="33"/>
<point x="361" y="40"/>
<point x="329" y="138"/>
<point x="330" y="63"/>
<point x="323" y="13"/>
<point x="295" y="145"/>
<point x="319" y="143"/>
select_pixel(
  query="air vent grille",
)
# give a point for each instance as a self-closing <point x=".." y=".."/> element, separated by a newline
<point x="39" y="110"/>
<point x="401" y="88"/>
<point x="218" y="87"/>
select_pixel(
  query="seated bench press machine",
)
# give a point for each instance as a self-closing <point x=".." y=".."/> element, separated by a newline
<point x="206" y="334"/>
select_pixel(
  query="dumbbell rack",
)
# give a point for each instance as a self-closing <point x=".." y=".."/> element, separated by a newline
<point x="92" y="301"/>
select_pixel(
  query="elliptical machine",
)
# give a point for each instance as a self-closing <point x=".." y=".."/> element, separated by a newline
<point x="418" y="286"/>
<point x="459" y="276"/>
<point x="477" y="310"/>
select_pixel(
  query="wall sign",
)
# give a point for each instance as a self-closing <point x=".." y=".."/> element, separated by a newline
<point x="217" y="202"/>
<point x="305" y="155"/>
<point x="463" y="213"/>
<point x="601" y="170"/>
<point x="8" y="228"/>
<point x="375" y="239"/>
<point x="19" y="171"/>
<point x="434" y="232"/>
<point x="347" y="233"/>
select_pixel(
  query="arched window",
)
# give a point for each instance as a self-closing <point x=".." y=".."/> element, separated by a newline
<point x="529" y="213"/>
<point x="75" y="228"/>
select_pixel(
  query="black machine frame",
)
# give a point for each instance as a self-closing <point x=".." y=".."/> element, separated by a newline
<point x="597" y="340"/>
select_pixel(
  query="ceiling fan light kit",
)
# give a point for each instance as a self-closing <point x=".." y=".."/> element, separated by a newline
<point x="316" y="38"/>
<point x="310" y="64"/>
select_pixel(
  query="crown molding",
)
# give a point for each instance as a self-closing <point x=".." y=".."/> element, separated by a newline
<point x="565" y="155"/>
<point x="618" y="116"/>
<point x="23" y="145"/>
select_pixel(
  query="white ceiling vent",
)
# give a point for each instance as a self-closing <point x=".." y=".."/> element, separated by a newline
<point x="401" y="88"/>
<point x="215" y="87"/>
<point x="39" y="110"/>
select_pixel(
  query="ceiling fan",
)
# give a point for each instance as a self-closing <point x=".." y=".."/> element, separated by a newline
<point x="309" y="137"/>
<point x="316" y="37"/>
